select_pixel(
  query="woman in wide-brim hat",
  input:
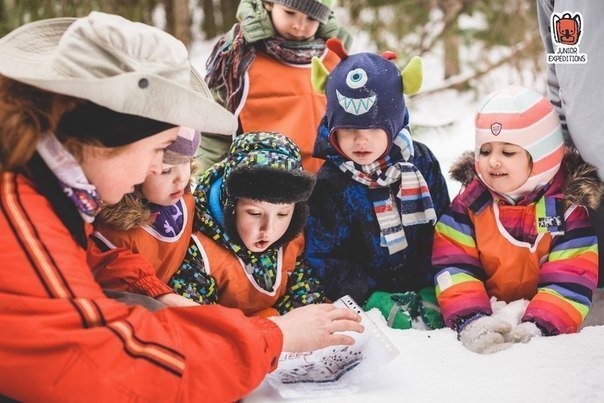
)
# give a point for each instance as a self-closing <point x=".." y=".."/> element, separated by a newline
<point x="87" y="107"/>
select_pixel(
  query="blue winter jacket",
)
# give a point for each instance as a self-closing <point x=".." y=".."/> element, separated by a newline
<point x="343" y="235"/>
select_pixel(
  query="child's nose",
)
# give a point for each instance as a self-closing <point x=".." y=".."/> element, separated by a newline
<point x="299" y="23"/>
<point x="361" y="139"/>
<point x="268" y="227"/>
<point x="495" y="161"/>
<point x="179" y="179"/>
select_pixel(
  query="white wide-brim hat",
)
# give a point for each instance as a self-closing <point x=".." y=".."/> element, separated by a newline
<point x="125" y="66"/>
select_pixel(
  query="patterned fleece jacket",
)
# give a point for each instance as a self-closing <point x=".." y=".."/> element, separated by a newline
<point x="484" y="247"/>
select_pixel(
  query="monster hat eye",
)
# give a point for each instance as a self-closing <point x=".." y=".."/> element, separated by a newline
<point x="356" y="78"/>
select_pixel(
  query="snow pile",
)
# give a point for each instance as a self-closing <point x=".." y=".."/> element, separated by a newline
<point x="433" y="366"/>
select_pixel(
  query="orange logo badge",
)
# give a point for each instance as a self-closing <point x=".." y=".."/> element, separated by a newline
<point x="567" y="28"/>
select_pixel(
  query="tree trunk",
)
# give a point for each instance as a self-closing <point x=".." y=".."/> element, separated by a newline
<point x="228" y="14"/>
<point x="208" y="25"/>
<point x="451" y="42"/>
<point x="181" y="21"/>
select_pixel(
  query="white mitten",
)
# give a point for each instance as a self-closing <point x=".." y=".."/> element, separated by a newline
<point x="524" y="332"/>
<point x="486" y="335"/>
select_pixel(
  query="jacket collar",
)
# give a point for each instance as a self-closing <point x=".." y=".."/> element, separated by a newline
<point x="47" y="184"/>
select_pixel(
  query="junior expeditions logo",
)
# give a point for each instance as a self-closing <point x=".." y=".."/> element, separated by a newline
<point x="566" y="30"/>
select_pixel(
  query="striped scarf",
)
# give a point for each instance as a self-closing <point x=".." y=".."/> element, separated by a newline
<point x="413" y="193"/>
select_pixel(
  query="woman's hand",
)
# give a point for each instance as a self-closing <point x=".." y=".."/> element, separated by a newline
<point x="176" y="300"/>
<point x="313" y="327"/>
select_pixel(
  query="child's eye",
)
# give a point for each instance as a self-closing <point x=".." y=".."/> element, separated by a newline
<point x="356" y="78"/>
<point x="160" y="150"/>
<point x="283" y="214"/>
<point x="166" y="171"/>
<point x="484" y="152"/>
<point x="254" y="213"/>
<point x="290" y="12"/>
<point x="509" y="153"/>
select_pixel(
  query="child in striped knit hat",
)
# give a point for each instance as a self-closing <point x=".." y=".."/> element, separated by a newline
<point x="519" y="229"/>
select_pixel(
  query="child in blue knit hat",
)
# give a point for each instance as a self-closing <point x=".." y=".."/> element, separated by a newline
<point x="378" y="193"/>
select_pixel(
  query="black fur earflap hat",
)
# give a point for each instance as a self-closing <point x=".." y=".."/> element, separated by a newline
<point x="266" y="166"/>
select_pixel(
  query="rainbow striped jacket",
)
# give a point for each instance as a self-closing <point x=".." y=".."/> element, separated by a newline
<point x="485" y="247"/>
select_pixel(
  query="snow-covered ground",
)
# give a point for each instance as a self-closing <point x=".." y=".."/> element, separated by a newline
<point x="433" y="366"/>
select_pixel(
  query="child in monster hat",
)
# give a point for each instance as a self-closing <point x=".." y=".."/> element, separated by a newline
<point x="519" y="229"/>
<point x="378" y="193"/>
<point x="260" y="71"/>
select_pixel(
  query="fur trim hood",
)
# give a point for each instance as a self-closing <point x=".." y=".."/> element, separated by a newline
<point x="273" y="185"/>
<point x="582" y="186"/>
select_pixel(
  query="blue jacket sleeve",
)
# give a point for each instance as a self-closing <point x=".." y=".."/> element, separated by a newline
<point x="327" y="231"/>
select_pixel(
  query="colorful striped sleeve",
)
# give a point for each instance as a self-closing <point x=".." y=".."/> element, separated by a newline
<point x="568" y="278"/>
<point x="458" y="272"/>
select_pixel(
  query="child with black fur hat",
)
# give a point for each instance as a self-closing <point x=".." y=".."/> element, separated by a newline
<point x="379" y="192"/>
<point x="250" y="212"/>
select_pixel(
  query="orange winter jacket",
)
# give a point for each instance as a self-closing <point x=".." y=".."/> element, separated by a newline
<point x="512" y="267"/>
<point x="61" y="339"/>
<point x="139" y="260"/>
<point x="280" y="97"/>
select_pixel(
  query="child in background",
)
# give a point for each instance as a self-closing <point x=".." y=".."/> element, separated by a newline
<point x="260" y="71"/>
<point x="379" y="192"/>
<point x="243" y="252"/>
<point x="519" y="229"/>
<point x="140" y="242"/>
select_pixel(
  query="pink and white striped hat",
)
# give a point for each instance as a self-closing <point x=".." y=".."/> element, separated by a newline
<point x="523" y="117"/>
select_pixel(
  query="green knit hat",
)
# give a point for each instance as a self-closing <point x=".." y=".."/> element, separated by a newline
<point x="317" y="9"/>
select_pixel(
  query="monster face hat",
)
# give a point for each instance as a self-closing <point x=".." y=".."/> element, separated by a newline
<point x="365" y="90"/>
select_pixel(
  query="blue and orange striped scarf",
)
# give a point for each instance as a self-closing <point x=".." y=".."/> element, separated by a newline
<point x="416" y="202"/>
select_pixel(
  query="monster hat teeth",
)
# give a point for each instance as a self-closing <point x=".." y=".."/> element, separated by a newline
<point x="355" y="106"/>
